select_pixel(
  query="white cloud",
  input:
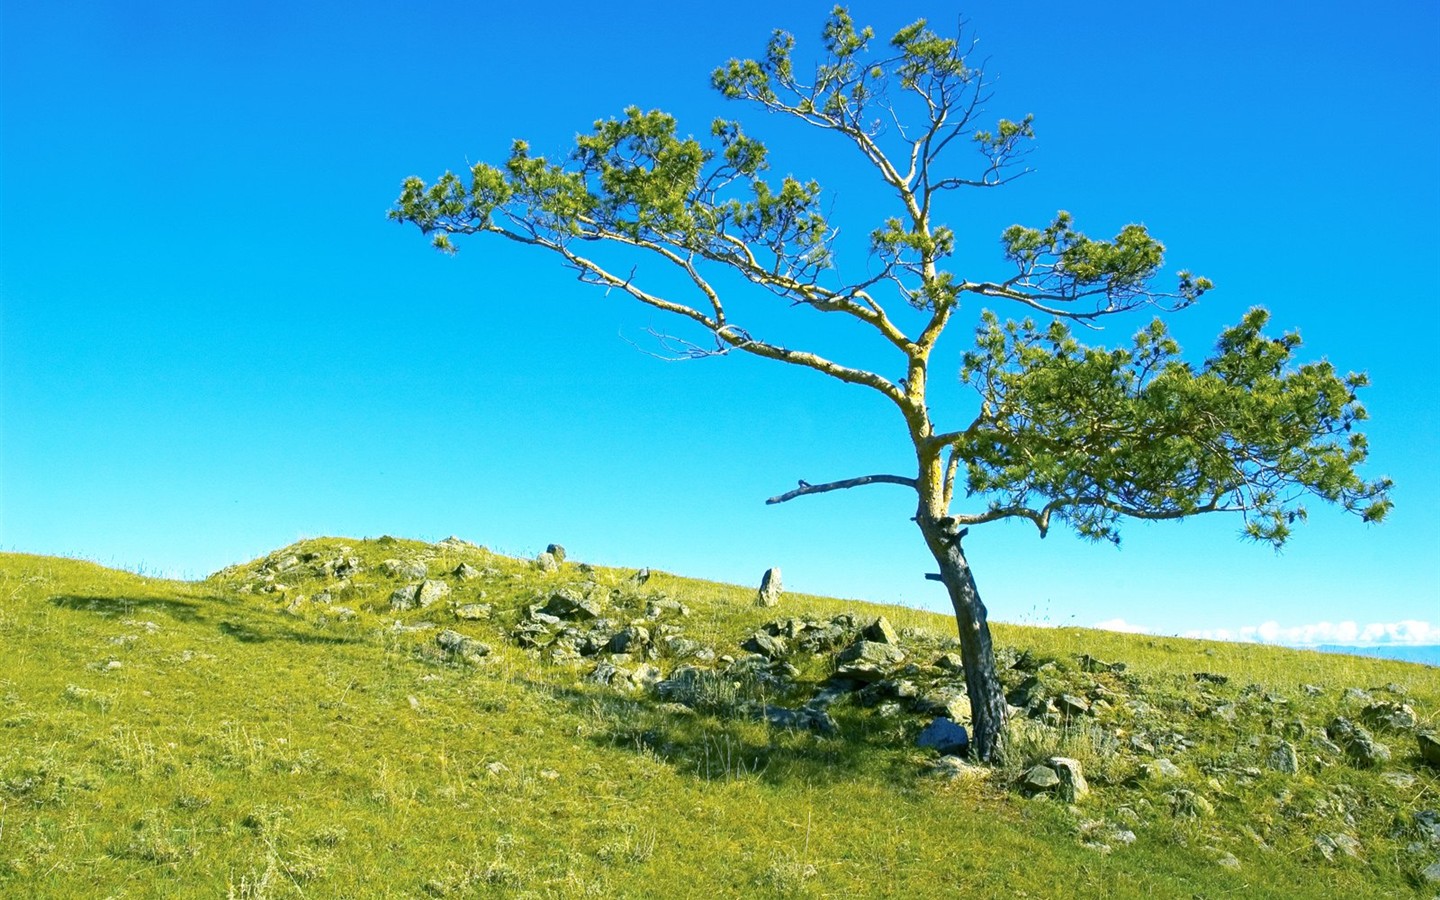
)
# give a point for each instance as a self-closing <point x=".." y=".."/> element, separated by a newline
<point x="1123" y="626"/>
<point x="1409" y="632"/>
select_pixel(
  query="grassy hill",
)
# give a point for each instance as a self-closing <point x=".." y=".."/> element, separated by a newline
<point x="390" y="718"/>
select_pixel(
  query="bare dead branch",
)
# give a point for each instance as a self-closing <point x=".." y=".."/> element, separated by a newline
<point x="808" y="488"/>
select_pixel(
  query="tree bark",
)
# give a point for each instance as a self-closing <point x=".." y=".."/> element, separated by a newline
<point x="982" y="682"/>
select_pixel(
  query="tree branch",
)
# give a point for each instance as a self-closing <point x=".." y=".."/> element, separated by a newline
<point x="807" y="488"/>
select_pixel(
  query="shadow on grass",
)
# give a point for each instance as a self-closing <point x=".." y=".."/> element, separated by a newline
<point x="255" y="630"/>
<point x="249" y="633"/>
<point x="740" y="744"/>
<point x="180" y="610"/>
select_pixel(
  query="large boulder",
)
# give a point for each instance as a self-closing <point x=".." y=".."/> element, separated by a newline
<point x="458" y="644"/>
<point x="770" y="588"/>
<point x="567" y="604"/>
<point x="430" y="591"/>
<point x="948" y="738"/>
<point x="868" y="661"/>
<point x="1430" y="748"/>
<point x="881" y="632"/>
<point x="767" y="645"/>
<point x="1072" y="780"/>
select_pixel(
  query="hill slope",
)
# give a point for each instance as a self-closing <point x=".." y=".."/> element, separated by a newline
<point x="391" y="718"/>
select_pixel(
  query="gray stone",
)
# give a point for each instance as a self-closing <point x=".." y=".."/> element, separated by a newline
<point x="1161" y="770"/>
<point x="1040" y="779"/>
<point x="1390" y="715"/>
<point x="1072" y="780"/>
<point x="473" y="612"/>
<point x="950" y="662"/>
<point x="1355" y="695"/>
<point x="948" y="738"/>
<point x="951" y="703"/>
<point x="412" y="569"/>
<point x="767" y="645"/>
<point x="770" y="588"/>
<point x="1185" y="803"/>
<point x="803" y="719"/>
<point x="1284" y="759"/>
<point x="868" y="660"/>
<point x="633" y="639"/>
<point x="1330" y="844"/>
<point x="1072" y="706"/>
<point x="953" y="768"/>
<point x="1429" y="748"/>
<point x="546" y="562"/>
<point x="404" y="597"/>
<point x="881" y="632"/>
<point x="460" y="645"/>
<point x="431" y="592"/>
<point x="1431" y="873"/>
<point x="556" y="551"/>
<point x="1357" y="743"/>
<point x="567" y="604"/>
<point x="466" y="572"/>
<point x="1398" y="780"/>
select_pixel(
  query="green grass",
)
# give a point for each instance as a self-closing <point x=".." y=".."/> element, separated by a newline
<point x="235" y="738"/>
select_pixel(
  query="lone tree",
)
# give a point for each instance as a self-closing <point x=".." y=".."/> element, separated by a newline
<point x="1060" y="432"/>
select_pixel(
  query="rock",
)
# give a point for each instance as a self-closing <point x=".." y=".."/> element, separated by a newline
<point x="608" y="673"/>
<point x="1161" y="770"/>
<point x="881" y="632"/>
<point x="1329" y="844"/>
<point x="546" y="562"/>
<point x="556" y="551"/>
<point x="950" y="662"/>
<point x="1026" y="693"/>
<point x="1072" y="780"/>
<point x="803" y="719"/>
<point x="633" y="639"/>
<point x="1072" y="706"/>
<point x="460" y="645"/>
<point x="404" y="597"/>
<point x="566" y="604"/>
<point x="1355" y="695"/>
<point x="770" y="588"/>
<point x="953" y="768"/>
<point x="1357" y="743"/>
<point x="1390" y="715"/>
<point x="1040" y="779"/>
<point x="868" y="661"/>
<point x="1284" y="759"/>
<point x="951" y="703"/>
<point x="948" y="738"/>
<point x="769" y="646"/>
<point x="341" y="567"/>
<point x="1210" y="678"/>
<point x="1228" y="861"/>
<point x="1089" y="663"/>
<point x="1188" y="804"/>
<point x="1429" y="748"/>
<point x="473" y="612"/>
<point x="412" y="569"/>
<point x="1431" y="873"/>
<point x="430" y="592"/>
<point x="1398" y="780"/>
<point x="466" y="572"/>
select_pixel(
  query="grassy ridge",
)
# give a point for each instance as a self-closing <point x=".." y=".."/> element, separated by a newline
<point x="235" y="737"/>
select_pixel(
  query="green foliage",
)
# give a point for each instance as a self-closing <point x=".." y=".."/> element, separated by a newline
<point x="1087" y="435"/>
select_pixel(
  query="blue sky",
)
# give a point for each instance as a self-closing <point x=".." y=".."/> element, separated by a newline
<point x="214" y="344"/>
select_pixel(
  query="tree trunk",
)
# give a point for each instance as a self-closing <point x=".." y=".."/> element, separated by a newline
<point x="982" y="683"/>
